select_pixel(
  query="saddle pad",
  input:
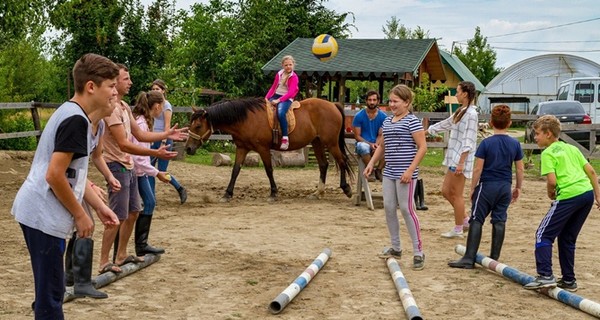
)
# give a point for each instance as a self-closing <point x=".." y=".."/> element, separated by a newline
<point x="289" y="115"/>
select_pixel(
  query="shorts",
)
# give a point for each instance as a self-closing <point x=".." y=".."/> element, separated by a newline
<point x="363" y="148"/>
<point x="128" y="198"/>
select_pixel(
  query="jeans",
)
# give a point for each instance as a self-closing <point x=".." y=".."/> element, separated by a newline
<point x="162" y="166"/>
<point x="147" y="194"/>
<point x="282" y="109"/>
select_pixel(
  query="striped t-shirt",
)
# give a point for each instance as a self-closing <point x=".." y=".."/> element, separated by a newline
<point x="400" y="147"/>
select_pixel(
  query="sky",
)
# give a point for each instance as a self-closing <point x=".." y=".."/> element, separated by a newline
<point x="571" y="26"/>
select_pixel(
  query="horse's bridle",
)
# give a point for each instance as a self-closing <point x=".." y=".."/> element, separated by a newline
<point x="203" y="137"/>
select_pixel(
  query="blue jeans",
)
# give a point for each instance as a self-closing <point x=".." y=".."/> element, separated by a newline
<point x="162" y="166"/>
<point x="47" y="253"/>
<point x="282" y="109"/>
<point x="147" y="195"/>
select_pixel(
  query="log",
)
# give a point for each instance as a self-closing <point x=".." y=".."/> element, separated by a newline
<point x="220" y="159"/>
<point x="252" y="160"/>
<point x="288" y="158"/>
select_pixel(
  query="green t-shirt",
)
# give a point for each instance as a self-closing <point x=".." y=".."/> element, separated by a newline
<point x="566" y="162"/>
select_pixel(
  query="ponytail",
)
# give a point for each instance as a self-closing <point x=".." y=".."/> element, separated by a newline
<point x="143" y="104"/>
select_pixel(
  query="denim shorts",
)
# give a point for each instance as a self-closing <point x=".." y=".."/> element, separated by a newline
<point x="363" y="148"/>
<point x="127" y="199"/>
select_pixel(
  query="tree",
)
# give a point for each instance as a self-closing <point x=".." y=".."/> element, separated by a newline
<point x="479" y="57"/>
<point x="395" y="30"/>
<point x="20" y="19"/>
<point x="225" y="43"/>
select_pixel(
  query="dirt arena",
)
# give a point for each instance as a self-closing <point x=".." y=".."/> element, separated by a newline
<point x="230" y="260"/>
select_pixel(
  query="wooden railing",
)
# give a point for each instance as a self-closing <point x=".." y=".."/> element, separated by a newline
<point x="432" y="116"/>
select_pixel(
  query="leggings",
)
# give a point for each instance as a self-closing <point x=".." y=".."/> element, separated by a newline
<point x="396" y="194"/>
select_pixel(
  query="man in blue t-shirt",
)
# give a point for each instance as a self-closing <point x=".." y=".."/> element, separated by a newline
<point x="367" y="130"/>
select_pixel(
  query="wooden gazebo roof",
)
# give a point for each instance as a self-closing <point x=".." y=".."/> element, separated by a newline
<point x="388" y="59"/>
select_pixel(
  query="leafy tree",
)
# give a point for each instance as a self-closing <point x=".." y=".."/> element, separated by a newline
<point x="20" y="19"/>
<point x="224" y="44"/>
<point x="395" y="30"/>
<point x="428" y="98"/>
<point x="479" y="57"/>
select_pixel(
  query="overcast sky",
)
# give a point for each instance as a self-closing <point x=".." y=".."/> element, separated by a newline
<point x="452" y="21"/>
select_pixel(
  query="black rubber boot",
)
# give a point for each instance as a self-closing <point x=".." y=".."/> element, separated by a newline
<point x="142" y="230"/>
<point x="83" y="251"/>
<point x="420" y="192"/>
<point x="473" y="240"/>
<point x="69" y="262"/>
<point x="182" y="195"/>
<point x="497" y="239"/>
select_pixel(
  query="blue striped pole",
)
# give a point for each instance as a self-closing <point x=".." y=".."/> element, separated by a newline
<point x="408" y="301"/>
<point x="286" y="296"/>
<point x="566" y="297"/>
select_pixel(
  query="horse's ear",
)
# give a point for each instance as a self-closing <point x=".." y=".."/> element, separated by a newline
<point x="194" y="109"/>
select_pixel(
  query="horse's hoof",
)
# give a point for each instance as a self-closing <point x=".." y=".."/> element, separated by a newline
<point x="225" y="200"/>
<point x="272" y="199"/>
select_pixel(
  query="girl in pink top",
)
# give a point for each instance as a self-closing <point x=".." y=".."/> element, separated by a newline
<point x="148" y="106"/>
<point x="282" y="93"/>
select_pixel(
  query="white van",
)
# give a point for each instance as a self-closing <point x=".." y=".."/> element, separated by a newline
<point x="584" y="90"/>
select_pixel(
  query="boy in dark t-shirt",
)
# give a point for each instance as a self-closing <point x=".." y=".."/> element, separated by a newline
<point x="49" y="203"/>
<point x="491" y="186"/>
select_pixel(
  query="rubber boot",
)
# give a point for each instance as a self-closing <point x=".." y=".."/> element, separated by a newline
<point x="420" y="190"/>
<point x="497" y="239"/>
<point x="69" y="262"/>
<point x="473" y="240"/>
<point x="142" y="230"/>
<point x="83" y="251"/>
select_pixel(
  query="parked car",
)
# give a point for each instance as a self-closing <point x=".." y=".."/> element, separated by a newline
<point x="567" y="112"/>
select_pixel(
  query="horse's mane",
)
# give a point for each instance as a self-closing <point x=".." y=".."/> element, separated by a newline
<point x="233" y="111"/>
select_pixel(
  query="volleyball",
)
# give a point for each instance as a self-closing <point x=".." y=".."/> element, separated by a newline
<point x="324" y="47"/>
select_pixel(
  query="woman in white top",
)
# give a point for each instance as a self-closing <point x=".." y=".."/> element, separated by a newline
<point x="460" y="154"/>
<point x="162" y="122"/>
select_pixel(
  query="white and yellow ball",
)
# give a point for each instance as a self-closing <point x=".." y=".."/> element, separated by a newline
<point x="325" y="47"/>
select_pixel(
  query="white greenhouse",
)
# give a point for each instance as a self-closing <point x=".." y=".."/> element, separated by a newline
<point x="533" y="80"/>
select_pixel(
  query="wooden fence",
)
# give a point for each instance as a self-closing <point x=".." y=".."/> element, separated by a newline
<point x="432" y="116"/>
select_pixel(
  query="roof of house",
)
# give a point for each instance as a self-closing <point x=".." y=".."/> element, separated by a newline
<point x="461" y="69"/>
<point x="362" y="58"/>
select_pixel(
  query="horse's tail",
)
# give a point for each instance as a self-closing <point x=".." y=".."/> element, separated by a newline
<point x="342" y="144"/>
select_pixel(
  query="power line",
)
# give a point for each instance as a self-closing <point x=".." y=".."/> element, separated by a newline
<point x="566" y="41"/>
<point x="546" y="28"/>
<point x="544" y="50"/>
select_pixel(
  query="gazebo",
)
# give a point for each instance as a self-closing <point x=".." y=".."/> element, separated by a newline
<point x="398" y="61"/>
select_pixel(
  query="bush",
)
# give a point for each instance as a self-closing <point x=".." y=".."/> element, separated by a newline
<point x="14" y="121"/>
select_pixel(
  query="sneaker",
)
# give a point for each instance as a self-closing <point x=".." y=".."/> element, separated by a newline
<point x="182" y="194"/>
<point x="419" y="262"/>
<point x="567" y="285"/>
<point x="391" y="253"/>
<point x="285" y="143"/>
<point x="541" y="282"/>
<point x="453" y="234"/>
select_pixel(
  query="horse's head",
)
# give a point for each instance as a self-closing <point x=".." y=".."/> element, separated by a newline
<point x="199" y="130"/>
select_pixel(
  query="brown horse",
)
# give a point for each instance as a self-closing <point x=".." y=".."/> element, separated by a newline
<point x="318" y="122"/>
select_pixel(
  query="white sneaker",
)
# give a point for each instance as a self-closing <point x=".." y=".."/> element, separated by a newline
<point x="453" y="234"/>
<point x="285" y="143"/>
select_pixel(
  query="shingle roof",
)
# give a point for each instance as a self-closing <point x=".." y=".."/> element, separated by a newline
<point x="365" y="57"/>
<point x="461" y="70"/>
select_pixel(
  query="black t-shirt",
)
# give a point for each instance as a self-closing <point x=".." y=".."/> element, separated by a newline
<point x="71" y="136"/>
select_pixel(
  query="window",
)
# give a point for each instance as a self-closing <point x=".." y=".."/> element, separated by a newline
<point x="563" y="92"/>
<point x="584" y="92"/>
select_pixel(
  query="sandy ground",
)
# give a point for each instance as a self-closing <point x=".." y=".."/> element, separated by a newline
<point x="230" y="260"/>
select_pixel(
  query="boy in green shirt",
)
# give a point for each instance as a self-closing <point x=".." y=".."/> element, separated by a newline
<point x="573" y="185"/>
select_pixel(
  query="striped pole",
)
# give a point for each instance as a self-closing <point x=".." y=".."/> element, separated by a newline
<point x="286" y="296"/>
<point x="408" y="301"/>
<point x="564" y="296"/>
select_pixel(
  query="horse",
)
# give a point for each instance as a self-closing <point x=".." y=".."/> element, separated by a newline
<point x="318" y="122"/>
